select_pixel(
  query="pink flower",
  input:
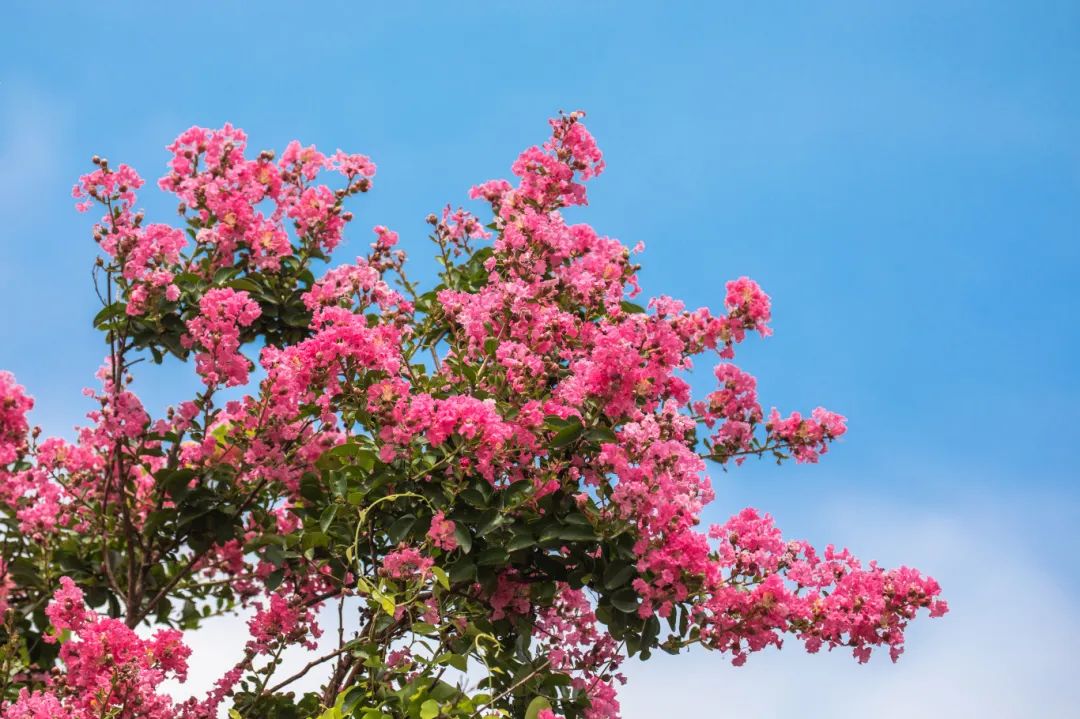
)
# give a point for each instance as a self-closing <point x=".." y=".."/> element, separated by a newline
<point x="406" y="563"/>
<point x="216" y="331"/>
<point x="441" y="532"/>
<point x="67" y="610"/>
<point x="807" y="438"/>
<point x="14" y="405"/>
<point x="527" y="365"/>
<point x="282" y="622"/>
<point x="108" y="667"/>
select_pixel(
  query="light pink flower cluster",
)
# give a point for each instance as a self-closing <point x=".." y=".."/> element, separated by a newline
<point x="407" y="563"/>
<point x="826" y="601"/>
<point x="216" y="333"/>
<point x="40" y="502"/>
<point x="103" y="184"/>
<point x="14" y="405"/>
<point x="148" y="264"/>
<point x="441" y="532"/>
<point x="147" y="256"/>
<point x="735" y="407"/>
<point x="661" y="490"/>
<point x="747" y="303"/>
<point x="457" y="229"/>
<point x="509" y="598"/>
<point x="212" y="178"/>
<point x="548" y="174"/>
<point x="282" y="621"/>
<point x="358" y="287"/>
<point x="807" y="438"/>
<point x="411" y="417"/>
<point x="577" y="645"/>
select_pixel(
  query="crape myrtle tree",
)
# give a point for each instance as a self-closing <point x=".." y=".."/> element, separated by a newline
<point x="486" y="492"/>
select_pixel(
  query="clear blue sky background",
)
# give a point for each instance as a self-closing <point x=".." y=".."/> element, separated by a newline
<point x="902" y="178"/>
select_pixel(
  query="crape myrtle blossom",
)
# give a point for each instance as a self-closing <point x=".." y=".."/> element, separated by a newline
<point x="223" y="313"/>
<point x="503" y="472"/>
<point x="109" y="669"/>
<point x="441" y="532"/>
<point x="14" y="405"/>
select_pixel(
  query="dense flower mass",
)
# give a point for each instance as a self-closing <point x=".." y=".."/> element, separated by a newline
<point x="503" y="473"/>
<point x="109" y="669"/>
<point x="14" y="404"/>
<point x="216" y="332"/>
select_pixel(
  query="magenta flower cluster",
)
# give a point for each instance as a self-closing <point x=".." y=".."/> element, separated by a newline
<point x="544" y="376"/>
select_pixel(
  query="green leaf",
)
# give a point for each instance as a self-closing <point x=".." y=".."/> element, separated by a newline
<point x="536" y="706"/>
<point x="314" y="539"/>
<point x="341" y="454"/>
<point x="463" y="538"/>
<point x="116" y="309"/>
<point x="244" y="284"/>
<point x="491" y="525"/>
<point x="601" y="434"/>
<point x="385" y="602"/>
<point x="569" y="533"/>
<point x="176" y="482"/>
<point x="617" y="574"/>
<point x="566" y="435"/>
<point x="400" y="528"/>
<point x="351" y="698"/>
<point x="556" y="422"/>
<point x="223" y="275"/>
<point x="625" y="600"/>
<point x="430" y="709"/>
<point x="274" y="579"/>
<point x="491" y="557"/>
<point x="475" y="498"/>
<point x="327" y="517"/>
<point x="517" y="492"/>
<point x="520" y="541"/>
<point x="441" y="577"/>
<point x="462" y="570"/>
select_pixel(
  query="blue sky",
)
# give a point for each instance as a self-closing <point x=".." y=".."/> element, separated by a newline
<point x="903" y="179"/>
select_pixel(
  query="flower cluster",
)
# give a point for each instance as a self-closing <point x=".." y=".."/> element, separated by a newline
<point x="406" y="563"/>
<point x="829" y="600"/>
<point x="808" y="438"/>
<point x="508" y="468"/>
<point x="14" y="404"/>
<point x="282" y="622"/>
<point x="109" y="669"/>
<point x="147" y="257"/>
<point x="735" y="407"/>
<point x="216" y="332"/>
<point x="441" y="532"/>
<point x="577" y="645"/>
